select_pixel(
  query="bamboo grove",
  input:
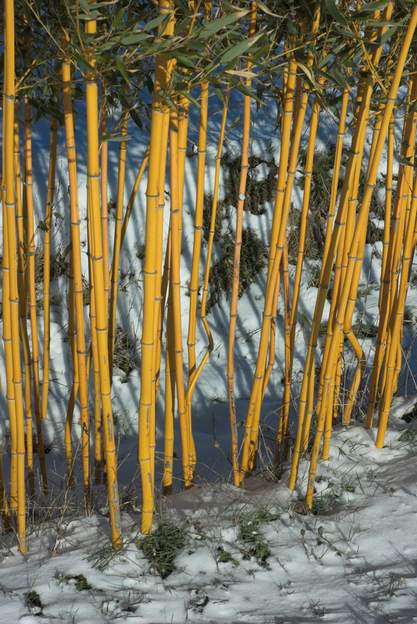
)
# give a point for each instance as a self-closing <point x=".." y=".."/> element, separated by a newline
<point x="161" y="69"/>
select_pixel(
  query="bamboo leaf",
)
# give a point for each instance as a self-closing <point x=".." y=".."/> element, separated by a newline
<point x="262" y="6"/>
<point x="246" y="91"/>
<point x="370" y="8"/>
<point x="239" y="49"/>
<point x="154" y="23"/>
<point x="214" y="26"/>
<point x="116" y="138"/>
<point x="307" y="72"/>
<point x="122" y="68"/>
<point x="117" y="20"/>
<point x="331" y="8"/>
<point x="187" y="61"/>
<point x="241" y="73"/>
<point x="134" y="38"/>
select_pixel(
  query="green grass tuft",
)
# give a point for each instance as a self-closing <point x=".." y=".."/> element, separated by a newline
<point x="162" y="546"/>
<point x="251" y="536"/>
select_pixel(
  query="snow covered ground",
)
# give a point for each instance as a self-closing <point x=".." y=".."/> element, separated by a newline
<point x="354" y="561"/>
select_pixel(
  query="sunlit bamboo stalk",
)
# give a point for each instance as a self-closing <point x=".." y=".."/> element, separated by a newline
<point x="11" y="317"/>
<point x="47" y="267"/>
<point x="96" y="255"/>
<point x="76" y="270"/>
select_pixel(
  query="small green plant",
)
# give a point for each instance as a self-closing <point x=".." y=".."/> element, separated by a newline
<point x="162" y="546"/>
<point x="101" y="558"/>
<point x="364" y="291"/>
<point x="81" y="583"/>
<point x="332" y="494"/>
<point x="34" y="603"/>
<point x="348" y="486"/>
<point x="251" y="536"/>
<point x="394" y="583"/>
<point x="78" y="580"/>
<point x="224" y="556"/>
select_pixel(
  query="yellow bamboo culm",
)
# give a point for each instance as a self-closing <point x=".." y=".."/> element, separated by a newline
<point x="104" y="165"/>
<point x="308" y="174"/>
<point x="115" y="269"/>
<point x="349" y="235"/>
<point x="328" y="388"/>
<point x="169" y="416"/>
<point x="178" y="138"/>
<point x="30" y="252"/>
<point x="72" y="340"/>
<point x="22" y="306"/>
<point x="11" y="316"/>
<point x="77" y="278"/>
<point x="47" y="268"/>
<point x="195" y="270"/>
<point x="94" y="362"/>
<point x="158" y="144"/>
<point x="7" y="341"/>
<point x="244" y="168"/>
<point x="96" y="256"/>
<point x="4" y="498"/>
<point x="161" y="279"/>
